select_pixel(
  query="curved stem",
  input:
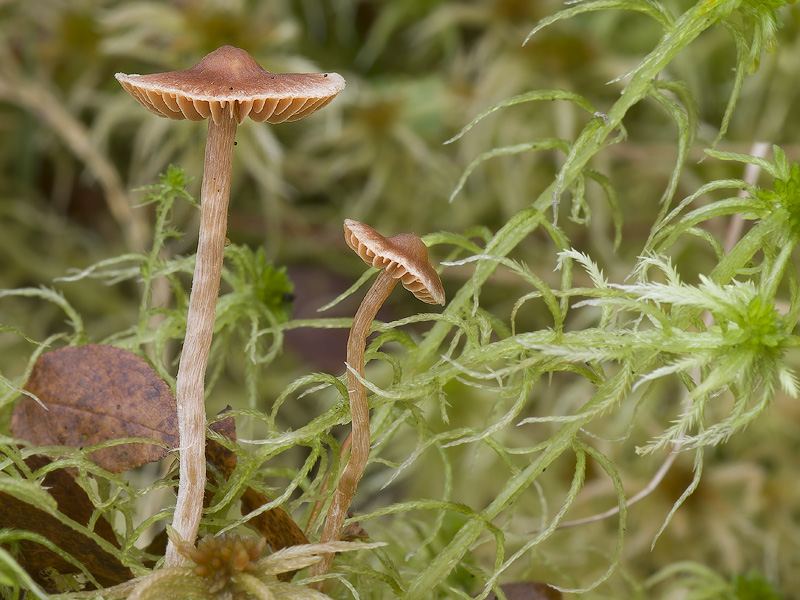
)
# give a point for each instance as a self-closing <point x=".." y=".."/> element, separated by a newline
<point x="359" y="415"/>
<point x="199" y="329"/>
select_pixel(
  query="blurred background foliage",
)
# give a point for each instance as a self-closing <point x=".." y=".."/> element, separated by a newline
<point x="76" y="147"/>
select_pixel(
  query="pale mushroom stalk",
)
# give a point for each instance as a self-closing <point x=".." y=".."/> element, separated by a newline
<point x="226" y="86"/>
<point x="404" y="258"/>
<point x="200" y="318"/>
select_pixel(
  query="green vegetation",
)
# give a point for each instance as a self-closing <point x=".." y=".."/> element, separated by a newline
<point x="607" y="403"/>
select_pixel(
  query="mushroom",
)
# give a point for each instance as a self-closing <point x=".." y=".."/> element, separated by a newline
<point x="227" y="86"/>
<point x="403" y="257"/>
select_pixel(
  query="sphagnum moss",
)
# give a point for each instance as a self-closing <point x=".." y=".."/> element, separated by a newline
<point x="485" y="377"/>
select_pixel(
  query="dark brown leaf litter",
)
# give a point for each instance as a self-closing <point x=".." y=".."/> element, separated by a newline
<point x="94" y="394"/>
<point x="217" y="454"/>
<point x="73" y="502"/>
<point x="276" y="525"/>
<point x="354" y="532"/>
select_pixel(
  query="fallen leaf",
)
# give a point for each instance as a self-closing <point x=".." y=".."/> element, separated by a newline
<point x="275" y="524"/>
<point x="71" y="498"/>
<point x="354" y="532"/>
<point x="37" y="517"/>
<point x="156" y="547"/>
<point x="217" y="454"/>
<point x="93" y="394"/>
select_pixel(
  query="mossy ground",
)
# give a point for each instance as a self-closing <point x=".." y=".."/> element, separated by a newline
<point x="449" y="390"/>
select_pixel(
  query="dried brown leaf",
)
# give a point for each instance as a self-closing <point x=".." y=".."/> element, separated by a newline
<point x="70" y="497"/>
<point x="354" y="532"/>
<point x="93" y="394"/>
<point x="275" y="524"/>
<point x="73" y="502"/>
<point x="217" y="454"/>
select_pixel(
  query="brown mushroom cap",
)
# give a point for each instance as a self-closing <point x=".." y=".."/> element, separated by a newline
<point x="230" y="79"/>
<point x="403" y="256"/>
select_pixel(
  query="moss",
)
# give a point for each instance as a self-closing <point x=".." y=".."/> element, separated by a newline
<point x="598" y="305"/>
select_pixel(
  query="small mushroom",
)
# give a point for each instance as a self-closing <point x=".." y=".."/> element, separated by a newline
<point x="403" y="257"/>
<point x="228" y="85"/>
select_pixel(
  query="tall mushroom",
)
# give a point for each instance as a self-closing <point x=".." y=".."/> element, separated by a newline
<point x="228" y="85"/>
<point x="404" y="258"/>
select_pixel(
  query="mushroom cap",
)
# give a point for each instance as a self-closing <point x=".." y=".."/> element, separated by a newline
<point x="404" y="256"/>
<point x="229" y="79"/>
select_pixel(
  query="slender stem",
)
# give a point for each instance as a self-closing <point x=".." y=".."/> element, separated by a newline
<point x="359" y="415"/>
<point x="214" y="198"/>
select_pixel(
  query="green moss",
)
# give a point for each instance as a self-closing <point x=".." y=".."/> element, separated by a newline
<point x="753" y="586"/>
<point x="787" y="194"/>
<point x="764" y="329"/>
<point x="626" y="320"/>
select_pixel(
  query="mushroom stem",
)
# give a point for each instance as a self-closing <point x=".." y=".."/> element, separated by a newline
<point x="359" y="414"/>
<point x="214" y="197"/>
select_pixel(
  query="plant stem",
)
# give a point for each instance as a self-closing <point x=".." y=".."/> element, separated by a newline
<point x="359" y="415"/>
<point x="190" y="385"/>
